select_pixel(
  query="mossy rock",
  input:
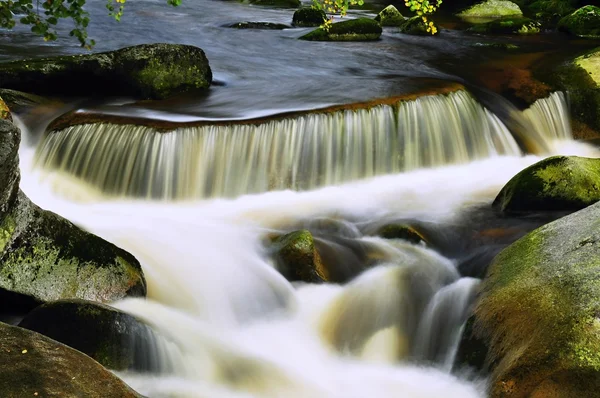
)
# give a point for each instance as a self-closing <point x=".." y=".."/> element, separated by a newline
<point x="558" y="183"/>
<point x="537" y="312"/>
<point x="308" y="17"/>
<point x="115" y="339"/>
<point x="416" y="26"/>
<point x="390" y="16"/>
<point x="491" y="9"/>
<point x="549" y="12"/>
<point x="152" y="71"/>
<point x="499" y="46"/>
<point x="46" y="257"/>
<point x="361" y="29"/>
<point x="401" y="231"/>
<point x="259" y="25"/>
<point x="277" y="3"/>
<point x="296" y="257"/>
<point x="584" y="22"/>
<point x="508" y="26"/>
<point x="4" y="111"/>
<point x="33" y="365"/>
<point x="17" y="100"/>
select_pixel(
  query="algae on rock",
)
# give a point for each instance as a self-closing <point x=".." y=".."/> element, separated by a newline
<point x="584" y="22"/>
<point x="491" y="9"/>
<point x="390" y="16"/>
<point x="515" y="26"/>
<point x="558" y="183"/>
<point x="361" y="29"/>
<point x="308" y="17"/>
<point x="297" y="259"/>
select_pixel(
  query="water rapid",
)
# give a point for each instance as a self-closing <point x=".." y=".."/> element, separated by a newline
<point x="228" y="324"/>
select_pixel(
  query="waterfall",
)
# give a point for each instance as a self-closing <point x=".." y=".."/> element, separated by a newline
<point x="549" y="118"/>
<point x="299" y="153"/>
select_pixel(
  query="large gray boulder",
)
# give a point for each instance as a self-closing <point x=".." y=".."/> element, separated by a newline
<point x="32" y="365"/>
<point x="153" y="71"/>
<point x="45" y="257"/>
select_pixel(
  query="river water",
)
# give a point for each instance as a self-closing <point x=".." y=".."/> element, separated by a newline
<point x="196" y="204"/>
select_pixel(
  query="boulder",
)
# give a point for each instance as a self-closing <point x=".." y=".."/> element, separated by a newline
<point x="508" y="26"/>
<point x="417" y="26"/>
<point x="152" y="71"/>
<point x="558" y="183"/>
<point x="115" y="339"/>
<point x="308" y="17"/>
<point x="259" y="25"/>
<point x="296" y="257"/>
<point x="584" y="22"/>
<point x="32" y="365"/>
<point x="491" y="9"/>
<point x="390" y="16"/>
<point x="549" y="12"/>
<point x="44" y="256"/>
<point x="536" y="318"/>
<point x="361" y="29"/>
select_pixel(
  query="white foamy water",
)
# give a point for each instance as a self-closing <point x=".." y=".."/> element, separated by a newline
<point x="232" y="327"/>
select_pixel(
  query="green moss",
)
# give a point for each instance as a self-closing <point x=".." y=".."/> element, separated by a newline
<point x="308" y="17"/>
<point x="400" y="231"/>
<point x="519" y="25"/>
<point x="549" y="12"/>
<point x="361" y="29"/>
<point x="501" y="46"/>
<point x="416" y="26"/>
<point x="584" y="22"/>
<point x="558" y="183"/>
<point x="390" y="16"/>
<point x="492" y="9"/>
<point x="297" y="258"/>
<point x="258" y="25"/>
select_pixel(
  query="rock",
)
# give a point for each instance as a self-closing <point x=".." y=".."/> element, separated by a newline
<point x="400" y="231"/>
<point x="416" y="26"/>
<point x="558" y="183"/>
<point x="308" y="17"/>
<point x="361" y="29"/>
<point x="584" y="22"/>
<point x="491" y="9"/>
<point x="4" y="111"/>
<point x="46" y="257"/>
<point x="153" y="71"/>
<point x="500" y="46"/>
<point x="18" y="99"/>
<point x="115" y="339"/>
<point x="549" y="12"/>
<point x="297" y="258"/>
<point x="277" y="3"/>
<point x="390" y="16"/>
<point x="259" y="25"/>
<point x="510" y="26"/>
<point x="537" y="313"/>
<point x="32" y="365"/>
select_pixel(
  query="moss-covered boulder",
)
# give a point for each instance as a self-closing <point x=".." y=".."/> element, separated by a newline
<point x="4" y="111"/>
<point x="491" y="9"/>
<point x="390" y="16"/>
<point x="508" y="26"/>
<point x="259" y="25"/>
<point x="32" y="365"/>
<point x="296" y="257"/>
<point x="401" y="231"/>
<point x="416" y="26"/>
<point x="277" y="3"/>
<point x="113" y="338"/>
<point x="46" y="257"/>
<point x="308" y="17"/>
<point x="537" y="313"/>
<point x="549" y="12"/>
<point x="152" y="71"/>
<point x="558" y="183"/>
<point x="584" y="22"/>
<point x="361" y="29"/>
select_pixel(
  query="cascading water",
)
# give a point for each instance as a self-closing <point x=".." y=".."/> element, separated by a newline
<point x="300" y="153"/>
<point x="227" y="324"/>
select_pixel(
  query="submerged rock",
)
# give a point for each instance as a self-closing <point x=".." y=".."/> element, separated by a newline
<point x="46" y="257"/>
<point x="296" y="257"/>
<point x="401" y="231"/>
<point x="361" y="29"/>
<point x="152" y="71"/>
<point x="277" y="3"/>
<point x="390" y="16"/>
<point x="584" y="22"/>
<point x="259" y="25"/>
<point x="492" y="9"/>
<point x="308" y="17"/>
<point x="417" y="26"/>
<point x="537" y="313"/>
<point x="511" y="26"/>
<point x="113" y="338"/>
<point x="558" y="183"/>
<point x="32" y="365"/>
